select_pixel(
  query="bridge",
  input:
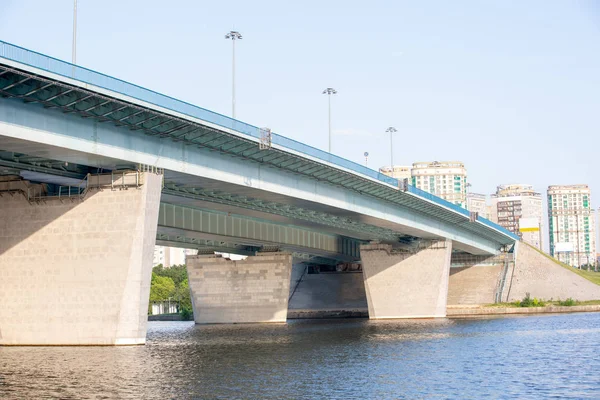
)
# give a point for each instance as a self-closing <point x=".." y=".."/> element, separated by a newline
<point x="94" y="171"/>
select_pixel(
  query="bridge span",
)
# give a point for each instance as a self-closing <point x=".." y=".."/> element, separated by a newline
<point x="94" y="171"/>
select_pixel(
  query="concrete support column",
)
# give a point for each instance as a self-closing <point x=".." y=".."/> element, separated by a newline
<point x="252" y="290"/>
<point x="77" y="271"/>
<point x="403" y="284"/>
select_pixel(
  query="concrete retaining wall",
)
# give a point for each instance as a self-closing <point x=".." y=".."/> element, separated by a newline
<point x="544" y="278"/>
<point x="298" y="273"/>
<point x="330" y="291"/>
<point x="252" y="290"/>
<point x="483" y="311"/>
<point x="473" y="285"/>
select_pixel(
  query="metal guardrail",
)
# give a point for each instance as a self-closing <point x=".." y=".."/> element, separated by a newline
<point x="66" y="69"/>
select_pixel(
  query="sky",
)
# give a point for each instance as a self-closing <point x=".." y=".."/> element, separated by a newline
<point x="511" y="88"/>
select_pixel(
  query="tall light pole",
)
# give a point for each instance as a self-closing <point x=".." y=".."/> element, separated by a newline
<point x="233" y="35"/>
<point x="391" y="130"/>
<point x="329" y="91"/>
<point x="74" y="50"/>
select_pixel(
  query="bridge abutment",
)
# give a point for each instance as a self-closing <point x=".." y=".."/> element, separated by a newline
<point x="406" y="284"/>
<point x="252" y="290"/>
<point x="76" y="270"/>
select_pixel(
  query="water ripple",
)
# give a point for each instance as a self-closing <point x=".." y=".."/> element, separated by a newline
<point x="528" y="357"/>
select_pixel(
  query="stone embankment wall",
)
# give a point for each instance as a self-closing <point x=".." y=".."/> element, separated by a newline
<point x="545" y="278"/>
<point x="473" y="285"/>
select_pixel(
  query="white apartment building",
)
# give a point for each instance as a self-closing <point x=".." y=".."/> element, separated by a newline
<point x="572" y="224"/>
<point x="478" y="203"/>
<point x="168" y="256"/>
<point x="397" y="171"/>
<point x="445" y="179"/>
<point x="518" y="208"/>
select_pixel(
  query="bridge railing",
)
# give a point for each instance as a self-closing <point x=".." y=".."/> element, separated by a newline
<point x="63" y="68"/>
<point x="438" y="200"/>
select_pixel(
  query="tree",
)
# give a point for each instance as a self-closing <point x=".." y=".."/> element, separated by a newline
<point x="182" y="294"/>
<point x="161" y="288"/>
<point x="178" y="273"/>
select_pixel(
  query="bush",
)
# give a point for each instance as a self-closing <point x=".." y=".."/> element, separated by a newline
<point x="186" y="314"/>
<point x="568" y="302"/>
<point x="529" y="302"/>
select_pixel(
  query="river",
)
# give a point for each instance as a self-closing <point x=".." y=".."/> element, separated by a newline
<point x="528" y="357"/>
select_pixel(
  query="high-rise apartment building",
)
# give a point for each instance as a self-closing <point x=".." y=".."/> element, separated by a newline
<point x="397" y="171"/>
<point x="168" y="256"/>
<point x="445" y="179"/>
<point x="518" y="208"/>
<point x="572" y="224"/>
<point x="478" y="203"/>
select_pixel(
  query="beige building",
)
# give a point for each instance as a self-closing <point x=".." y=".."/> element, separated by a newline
<point x="518" y="208"/>
<point x="445" y="179"/>
<point x="572" y="224"/>
<point x="169" y="256"/>
<point x="397" y="171"/>
<point x="478" y="203"/>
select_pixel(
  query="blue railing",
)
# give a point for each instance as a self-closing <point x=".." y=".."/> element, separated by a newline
<point x="438" y="200"/>
<point x="63" y="68"/>
<point x="498" y="228"/>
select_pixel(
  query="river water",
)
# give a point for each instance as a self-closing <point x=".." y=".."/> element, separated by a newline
<point x="528" y="357"/>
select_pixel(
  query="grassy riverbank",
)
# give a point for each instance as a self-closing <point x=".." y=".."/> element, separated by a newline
<point x="544" y="303"/>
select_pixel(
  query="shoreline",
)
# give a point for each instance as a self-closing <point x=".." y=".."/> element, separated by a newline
<point x="451" y="312"/>
<point x="474" y="311"/>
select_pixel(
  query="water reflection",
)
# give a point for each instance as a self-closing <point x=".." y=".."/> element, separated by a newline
<point x="510" y="357"/>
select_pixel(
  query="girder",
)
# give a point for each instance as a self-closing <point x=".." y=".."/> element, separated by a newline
<point x="372" y="231"/>
<point x="228" y="228"/>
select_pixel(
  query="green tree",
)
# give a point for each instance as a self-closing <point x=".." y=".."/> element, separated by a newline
<point x="182" y="294"/>
<point x="161" y="288"/>
<point x="178" y="273"/>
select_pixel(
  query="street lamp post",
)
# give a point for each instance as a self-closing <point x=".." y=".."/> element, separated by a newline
<point x="391" y="130"/>
<point x="233" y="35"/>
<point x="329" y="91"/>
<point x="74" y="49"/>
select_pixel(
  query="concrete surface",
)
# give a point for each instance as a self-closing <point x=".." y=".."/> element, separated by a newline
<point x="454" y="312"/>
<point x="330" y="291"/>
<point x="78" y="273"/>
<point x="252" y="290"/>
<point x="544" y="278"/>
<point x="328" y="314"/>
<point x="406" y="284"/>
<point x="474" y="285"/>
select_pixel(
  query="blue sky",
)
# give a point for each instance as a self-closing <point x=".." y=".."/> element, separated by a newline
<point x="511" y="88"/>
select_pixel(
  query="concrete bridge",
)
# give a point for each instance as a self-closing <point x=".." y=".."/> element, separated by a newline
<point x="94" y="171"/>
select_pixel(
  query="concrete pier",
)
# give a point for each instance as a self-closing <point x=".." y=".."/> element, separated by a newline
<point x="76" y="271"/>
<point x="252" y="290"/>
<point x="406" y="284"/>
